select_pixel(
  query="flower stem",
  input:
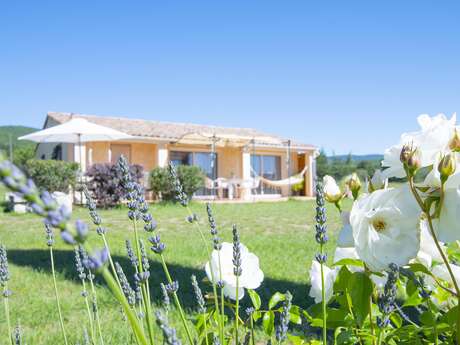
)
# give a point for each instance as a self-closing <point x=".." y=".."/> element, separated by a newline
<point x="145" y="294"/>
<point x="58" y="305"/>
<point x="323" y="304"/>
<point x="222" y="301"/>
<point x="135" y="325"/>
<point x="214" y="286"/>
<point x="96" y="311"/>
<point x="253" y="340"/>
<point x="237" y="307"/>
<point x="90" y="316"/>
<point x="371" y="321"/>
<point x="176" y="301"/>
<point x="7" y="313"/>
<point x="112" y="266"/>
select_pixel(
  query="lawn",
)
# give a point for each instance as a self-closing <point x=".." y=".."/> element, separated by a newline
<point x="281" y="234"/>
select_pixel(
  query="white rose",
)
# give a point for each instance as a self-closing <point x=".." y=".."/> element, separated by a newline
<point x="250" y="278"/>
<point x="345" y="238"/>
<point x="442" y="272"/>
<point x="385" y="227"/>
<point x="315" y="281"/>
<point x="428" y="250"/>
<point x="433" y="138"/>
<point x="331" y="189"/>
<point x="378" y="181"/>
<point x="448" y="226"/>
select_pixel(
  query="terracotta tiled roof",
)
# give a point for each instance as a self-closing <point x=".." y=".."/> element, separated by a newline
<point x="163" y="130"/>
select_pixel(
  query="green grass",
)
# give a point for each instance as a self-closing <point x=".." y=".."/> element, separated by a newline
<point x="281" y="234"/>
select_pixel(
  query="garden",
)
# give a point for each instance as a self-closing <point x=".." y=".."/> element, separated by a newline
<point x="366" y="262"/>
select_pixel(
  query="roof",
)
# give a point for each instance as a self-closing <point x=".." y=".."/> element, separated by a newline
<point x="168" y="131"/>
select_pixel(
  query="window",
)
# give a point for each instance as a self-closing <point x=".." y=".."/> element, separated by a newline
<point x="268" y="167"/>
<point x="118" y="150"/>
<point x="207" y="161"/>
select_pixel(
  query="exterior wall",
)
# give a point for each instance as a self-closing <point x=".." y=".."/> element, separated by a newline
<point x="229" y="162"/>
<point x="144" y="154"/>
<point x="98" y="152"/>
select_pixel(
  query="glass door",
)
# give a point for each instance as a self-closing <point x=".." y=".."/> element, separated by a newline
<point x="268" y="167"/>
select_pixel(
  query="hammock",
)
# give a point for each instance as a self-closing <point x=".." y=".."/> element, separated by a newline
<point x="254" y="182"/>
<point x="291" y="180"/>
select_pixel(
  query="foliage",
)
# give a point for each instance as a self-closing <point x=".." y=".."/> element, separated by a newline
<point x="162" y="183"/>
<point x="339" y="168"/>
<point x="22" y="154"/>
<point x="51" y="175"/>
<point x="104" y="183"/>
<point x="22" y="150"/>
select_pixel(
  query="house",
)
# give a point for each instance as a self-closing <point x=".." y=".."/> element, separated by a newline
<point x="239" y="162"/>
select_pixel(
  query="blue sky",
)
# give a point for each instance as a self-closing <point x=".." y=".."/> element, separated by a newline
<point x="344" y="75"/>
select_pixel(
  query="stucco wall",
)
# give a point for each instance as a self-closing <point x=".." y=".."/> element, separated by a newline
<point x="144" y="154"/>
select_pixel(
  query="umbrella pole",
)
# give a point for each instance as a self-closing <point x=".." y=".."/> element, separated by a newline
<point x="81" y="168"/>
<point x="288" y="161"/>
<point x="213" y="167"/>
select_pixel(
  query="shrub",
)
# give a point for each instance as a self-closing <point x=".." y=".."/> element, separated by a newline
<point x="104" y="183"/>
<point x="52" y="175"/>
<point x="162" y="184"/>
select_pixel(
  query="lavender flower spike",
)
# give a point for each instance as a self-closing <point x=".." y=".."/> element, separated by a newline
<point x="198" y="296"/>
<point x="4" y="271"/>
<point x="282" y="328"/>
<point x="97" y="260"/>
<point x="169" y="333"/>
<point x="212" y="224"/>
<point x="237" y="270"/>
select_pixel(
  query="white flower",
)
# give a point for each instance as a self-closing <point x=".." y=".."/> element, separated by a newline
<point x="251" y="276"/>
<point x="331" y="189"/>
<point x="442" y="272"/>
<point x="378" y="181"/>
<point x="385" y="227"/>
<point x="315" y="280"/>
<point x="428" y="250"/>
<point x="448" y="226"/>
<point x="345" y="238"/>
<point x="433" y="138"/>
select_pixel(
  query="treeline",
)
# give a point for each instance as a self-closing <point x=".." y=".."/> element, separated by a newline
<point x="341" y="167"/>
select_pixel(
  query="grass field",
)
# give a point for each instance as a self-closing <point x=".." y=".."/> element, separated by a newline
<point x="281" y="234"/>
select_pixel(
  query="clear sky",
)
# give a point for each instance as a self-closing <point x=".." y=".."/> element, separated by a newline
<point x="344" y="75"/>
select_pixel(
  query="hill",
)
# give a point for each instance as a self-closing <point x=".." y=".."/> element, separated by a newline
<point x="15" y="132"/>
<point x="358" y="158"/>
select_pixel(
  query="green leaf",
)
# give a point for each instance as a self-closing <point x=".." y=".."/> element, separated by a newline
<point x="295" y="340"/>
<point x="360" y="289"/>
<point x="341" y="282"/>
<point x="417" y="267"/>
<point x="255" y="299"/>
<point x="268" y="322"/>
<point x="256" y="315"/>
<point x="295" y="315"/>
<point x="349" y="262"/>
<point x="427" y="318"/>
<point x="275" y="299"/>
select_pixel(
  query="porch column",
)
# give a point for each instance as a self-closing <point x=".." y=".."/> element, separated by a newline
<point x="163" y="156"/>
<point x="246" y="192"/>
<point x="309" y="174"/>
